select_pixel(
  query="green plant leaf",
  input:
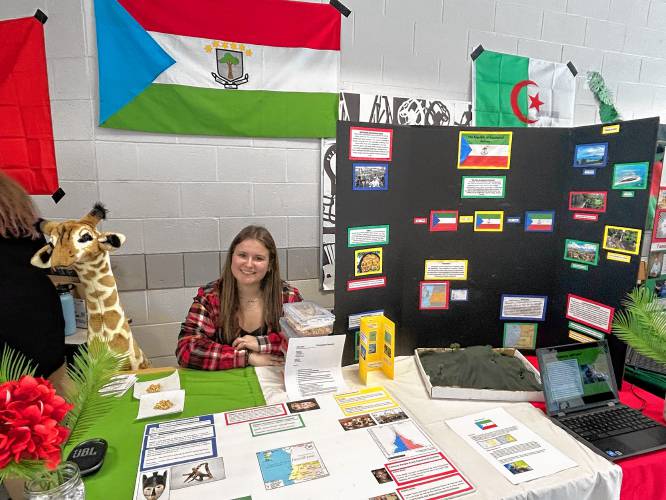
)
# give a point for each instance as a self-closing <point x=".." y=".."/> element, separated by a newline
<point x="14" y="365"/>
<point x="26" y="469"/>
<point x="642" y="324"/>
<point x="92" y="368"/>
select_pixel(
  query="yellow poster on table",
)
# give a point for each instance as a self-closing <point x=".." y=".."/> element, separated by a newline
<point x="376" y="346"/>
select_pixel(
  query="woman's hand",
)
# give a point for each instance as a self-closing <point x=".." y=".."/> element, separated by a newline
<point x="246" y="342"/>
<point x="264" y="359"/>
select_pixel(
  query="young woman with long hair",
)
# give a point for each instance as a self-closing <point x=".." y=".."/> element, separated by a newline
<point x="31" y="320"/>
<point x="233" y="321"/>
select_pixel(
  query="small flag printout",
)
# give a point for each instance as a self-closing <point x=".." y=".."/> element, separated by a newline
<point x="444" y="220"/>
<point x="491" y="221"/>
<point x="489" y="150"/>
<point x="539" y="222"/>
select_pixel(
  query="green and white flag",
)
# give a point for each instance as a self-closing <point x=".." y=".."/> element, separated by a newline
<point x="517" y="91"/>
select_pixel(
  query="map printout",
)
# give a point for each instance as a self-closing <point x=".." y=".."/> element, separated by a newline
<point x="290" y="465"/>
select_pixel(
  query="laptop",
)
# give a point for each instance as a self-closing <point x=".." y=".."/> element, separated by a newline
<point x="582" y="397"/>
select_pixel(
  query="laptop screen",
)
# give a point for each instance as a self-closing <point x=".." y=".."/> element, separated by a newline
<point x="576" y="375"/>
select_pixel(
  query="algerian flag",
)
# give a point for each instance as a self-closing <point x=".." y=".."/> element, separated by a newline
<point x="219" y="67"/>
<point x="516" y="91"/>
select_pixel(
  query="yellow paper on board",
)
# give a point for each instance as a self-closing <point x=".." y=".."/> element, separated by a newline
<point x="388" y="348"/>
<point x="365" y="401"/>
<point x="376" y="346"/>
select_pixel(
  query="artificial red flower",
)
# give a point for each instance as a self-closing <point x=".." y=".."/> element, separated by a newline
<point x="30" y="414"/>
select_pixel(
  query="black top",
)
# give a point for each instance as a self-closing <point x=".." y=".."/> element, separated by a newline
<point x="31" y="319"/>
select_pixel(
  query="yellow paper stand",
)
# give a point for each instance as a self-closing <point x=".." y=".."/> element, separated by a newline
<point x="376" y="346"/>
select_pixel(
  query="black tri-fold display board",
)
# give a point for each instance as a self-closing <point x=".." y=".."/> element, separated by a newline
<point x="522" y="237"/>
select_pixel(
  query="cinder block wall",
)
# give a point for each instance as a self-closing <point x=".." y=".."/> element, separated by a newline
<point x="180" y="199"/>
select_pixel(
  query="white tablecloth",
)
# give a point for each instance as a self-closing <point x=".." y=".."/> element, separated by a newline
<point x="594" y="479"/>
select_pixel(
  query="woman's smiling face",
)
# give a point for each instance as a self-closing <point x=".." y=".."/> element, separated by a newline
<point x="250" y="262"/>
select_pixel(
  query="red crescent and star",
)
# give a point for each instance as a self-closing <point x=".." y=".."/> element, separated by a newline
<point x="535" y="102"/>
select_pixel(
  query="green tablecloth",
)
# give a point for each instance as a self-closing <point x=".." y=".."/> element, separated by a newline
<point x="205" y="392"/>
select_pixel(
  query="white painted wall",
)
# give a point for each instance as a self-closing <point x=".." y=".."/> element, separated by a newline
<point x="172" y="193"/>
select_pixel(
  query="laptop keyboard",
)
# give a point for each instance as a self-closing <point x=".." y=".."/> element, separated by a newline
<point x="608" y="422"/>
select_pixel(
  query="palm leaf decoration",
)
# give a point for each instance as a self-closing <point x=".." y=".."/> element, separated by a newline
<point x="642" y="324"/>
<point x="13" y="365"/>
<point x="92" y="368"/>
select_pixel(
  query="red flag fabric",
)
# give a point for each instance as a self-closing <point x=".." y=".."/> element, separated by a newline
<point x="26" y="135"/>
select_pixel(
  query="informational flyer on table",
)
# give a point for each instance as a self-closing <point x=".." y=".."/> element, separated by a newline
<point x="514" y="450"/>
<point x="353" y="445"/>
<point x="313" y="366"/>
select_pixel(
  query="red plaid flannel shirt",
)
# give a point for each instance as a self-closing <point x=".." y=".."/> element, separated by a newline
<point x="200" y="343"/>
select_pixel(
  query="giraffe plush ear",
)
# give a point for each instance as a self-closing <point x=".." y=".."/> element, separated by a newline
<point x="46" y="226"/>
<point x="110" y="241"/>
<point x="43" y="257"/>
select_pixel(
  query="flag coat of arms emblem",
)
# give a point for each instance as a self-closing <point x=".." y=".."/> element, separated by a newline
<point x="443" y="220"/>
<point x="541" y="222"/>
<point x="517" y="91"/>
<point x="488" y="221"/>
<point x="489" y="150"/>
<point x="264" y="68"/>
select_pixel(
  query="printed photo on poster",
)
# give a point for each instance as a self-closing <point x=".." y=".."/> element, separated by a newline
<point x="659" y="230"/>
<point x="302" y="405"/>
<point x="591" y="155"/>
<point x="584" y="252"/>
<point x="655" y="264"/>
<point x="484" y="150"/>
<point x="196" y="473"/>
<point x="154" y="484"/>
<point x="434" y="295"/>
<point x="368" y="261"/>
<point x="382" y="476"/>
<point x="588" y="201"/>
<point x="523" y="307"/>
<point x="357" y="422"/>
<point x="661" y="200"/>
<point x="370" y="143"/>
<point x="622" y="239"/>
<point x="630" y="175"/>
<point x="520" y="335"/>
<point x="370" y="177"/>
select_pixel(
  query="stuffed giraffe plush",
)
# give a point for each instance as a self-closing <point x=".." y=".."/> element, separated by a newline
<point x="79" y="245"/>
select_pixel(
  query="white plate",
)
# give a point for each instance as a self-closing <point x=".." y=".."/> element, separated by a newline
<point x="170" y="383"/>
<point x="147" y="403"/>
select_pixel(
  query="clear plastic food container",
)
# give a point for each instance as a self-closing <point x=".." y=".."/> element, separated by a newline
<point x="308" y="319"/>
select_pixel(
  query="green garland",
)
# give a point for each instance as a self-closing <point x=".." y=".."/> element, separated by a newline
<point x="607" y="111"/>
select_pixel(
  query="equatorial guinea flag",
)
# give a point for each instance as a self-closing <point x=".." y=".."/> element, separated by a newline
<point x="516" y="91"/>
<point x="219" y="67"/>
<point x="490" y="150"/>
<point x="539" y="221"/>
<point x="443" y="220"/>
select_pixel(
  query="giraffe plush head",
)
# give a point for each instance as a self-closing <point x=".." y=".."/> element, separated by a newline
<point x="79" y="245"/>
<point x="76" y="241"/>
